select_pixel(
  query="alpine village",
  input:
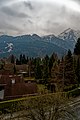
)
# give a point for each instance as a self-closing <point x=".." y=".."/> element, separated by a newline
<point x="35" y="88"/>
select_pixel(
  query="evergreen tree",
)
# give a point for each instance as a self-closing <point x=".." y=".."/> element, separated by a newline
<point x="65" y="74"/>
<point x="77" y="70"/>
<point x="77" y="58"/>
<point x="46" y="59"/>
<point x="51" y="61"/>
<point x="1" y="66"/>
<point x="54" y="71"/>
<point x="38" y="71"/>
<point x="77" y="47"/>
<point x="59" y="74"/>
<point x="62" y="70"/>
<point x="12" y="59"/>
<point x="69" y="69"/>
<point x="21" y="58"/>
<point x="46" y="69"/>
<point x="18" y="62"/>
<point x="14" y="69"/>
<point x="27" y="60"/>
<point x="24" y="59"/>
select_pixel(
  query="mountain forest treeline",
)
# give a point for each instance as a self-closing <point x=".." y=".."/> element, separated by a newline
<point x="52" y="71"/>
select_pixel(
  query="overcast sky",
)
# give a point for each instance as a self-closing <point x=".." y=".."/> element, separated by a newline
<point x="38" y="16"/>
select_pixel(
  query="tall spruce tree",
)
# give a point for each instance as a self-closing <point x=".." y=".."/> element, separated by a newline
<point x="46" y="69"/>
<point x="14" y="69"/>
<point x="38" y="70"/>
<point x="59" y="73"/>
<point x="65" y="75"/>
<point x="24" y="59"/>
<point x="51" y="61"/>
<point x="12" y="59"/>
<point x="21" y="58"/>
<point x="77" y="58"/>
<point x="69" y="69"/>
<point x="77" y="70"/>
<point x="77" y="47"/>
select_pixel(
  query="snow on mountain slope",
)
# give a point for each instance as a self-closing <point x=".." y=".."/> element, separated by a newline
<point x="49" y="38"/>
<point x="58" y="41"/>
<point x="9" y="47"/>
<point x="34" y="45"/>
<point x="70" y="35"/>
<point x="30" y="45"/>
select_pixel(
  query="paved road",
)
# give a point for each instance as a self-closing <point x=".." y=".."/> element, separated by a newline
<point x="76" y="105"/>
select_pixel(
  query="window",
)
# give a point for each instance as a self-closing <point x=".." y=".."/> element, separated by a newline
<point x="13" y="81"/>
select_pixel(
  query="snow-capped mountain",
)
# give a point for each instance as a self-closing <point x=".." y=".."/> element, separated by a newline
<point x="34" y="45"/>
<point x="69" y="35"/>
<point x="66" y="39"/>
<point x="57" y="41"/>
<point x="30" y="45"/>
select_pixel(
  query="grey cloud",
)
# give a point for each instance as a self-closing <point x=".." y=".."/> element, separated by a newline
<point x="28" y="4"/>
<point x="12" y="12"/>
<point x="8" y="25"/>
<point x="9" y="29"/>
<point x="78" y="1"/>
<point x="29" y="21"/>
<point x="37" y="17"/>
<point x="3" y="1"/>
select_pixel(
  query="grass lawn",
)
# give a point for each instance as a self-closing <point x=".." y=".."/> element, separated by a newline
<point x="29" y="78"/>
<point x="42" y="89"/>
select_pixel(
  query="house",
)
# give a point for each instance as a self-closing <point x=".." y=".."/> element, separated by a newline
<point x="21" y="68"/>
<point x="13" y="86"/>
<point x="25" y="70"/>
<point x="6" y="72"/>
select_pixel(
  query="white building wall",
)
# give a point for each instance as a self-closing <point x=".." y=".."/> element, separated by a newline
<point x="2" y="94"/>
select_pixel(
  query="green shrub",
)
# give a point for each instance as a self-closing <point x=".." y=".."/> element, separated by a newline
<point x="73" y="93"/>
<point x="69" y="88"/>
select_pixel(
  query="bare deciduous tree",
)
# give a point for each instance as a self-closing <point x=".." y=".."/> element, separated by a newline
<point x="44" y="107"/>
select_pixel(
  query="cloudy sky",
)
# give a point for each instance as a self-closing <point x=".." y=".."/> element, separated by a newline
<point x="38" y="16"/>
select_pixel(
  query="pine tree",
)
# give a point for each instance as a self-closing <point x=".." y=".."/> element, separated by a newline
<point x="12" y="59"/>
<point x="77" y="70"/>
<point x="69" y="69"/>
<point x="46" y="69"/>
<point x="77" y="47"/>
<point x="14" y="68"/>
<point x="21" y="58"/>
<point x="59" y="73"/>
<point x="51" y="61"/>
<point x="77" y="58"/>
<point x="38" y="71"/>
<point x="17" y="62"/>
<point x="65" y="74"/>
<point x="24" y="59"/>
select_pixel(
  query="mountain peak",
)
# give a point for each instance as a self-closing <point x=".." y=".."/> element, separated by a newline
<point x="35" y="36"/>
<point x="69" y="35"/>
<point x="67" y="30"/>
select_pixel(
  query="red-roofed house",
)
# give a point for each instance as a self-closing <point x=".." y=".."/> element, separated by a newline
<point x="12" y="86"/>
